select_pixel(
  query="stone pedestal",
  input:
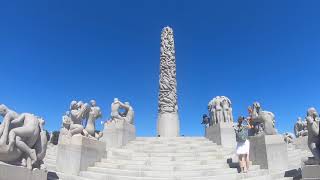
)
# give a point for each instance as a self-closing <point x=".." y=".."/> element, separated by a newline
<point x="311" y="172"/>
<point x="11" y="172"/>
<point x="118" y="134"/>
<point x="78" y="153"/>
<point x="269" y="151"/>
<point x="301" y="143"/>
<point x="168" y="125"/>
<point x="222" y="134"/>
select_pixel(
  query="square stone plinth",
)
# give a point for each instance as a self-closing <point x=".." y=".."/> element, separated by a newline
<point x="301" y="143"/>
<point x="78" y="153"/>
<point x="269" y="151"/>
<point x="311" y="172"/>
<point x="11" y="172"/>
<point x="117" y="134"/>
<point x="222" y="134"/>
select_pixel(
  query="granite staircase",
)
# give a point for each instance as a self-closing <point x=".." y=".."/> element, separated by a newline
<point x="181" y="158"/>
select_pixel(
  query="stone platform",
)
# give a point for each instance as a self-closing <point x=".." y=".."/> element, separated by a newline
<point x="222" y="134"/>
<point x="11" y="172"/>
<point x="118" y="134"/>
<point x="269" y="151"/>
<point x="78" y="153"/>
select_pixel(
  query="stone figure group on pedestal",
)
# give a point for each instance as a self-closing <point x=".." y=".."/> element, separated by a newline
<point x="300" y="128"/>
<point x="80" y="119"/>
<point x="220" y="110"/>
<point x="288" y="137"/>
<point x="121" y="112"/>
<point x="23" y="139"/>
<point x="313" y="133"/>
<point x="263" y="122"/>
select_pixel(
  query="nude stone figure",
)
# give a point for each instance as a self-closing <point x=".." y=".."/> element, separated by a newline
<point x="313" y="132"/>
<point x="263" y="121"/>
<point x="29" y="130"/>
<point x="77" y="112"/>
<point x="8" y="115"/>
<point x="129" y="115"/>
<point x="115" y="107"/>
<point x="93" y="115"/>
<point x="27" y="139"/>
<point x="218" y="109"/>
<point x="300" y="128"/>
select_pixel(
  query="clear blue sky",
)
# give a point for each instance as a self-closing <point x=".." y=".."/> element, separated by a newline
<point x="52" y="52"/>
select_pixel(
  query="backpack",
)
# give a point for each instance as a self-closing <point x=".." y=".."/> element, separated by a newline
<point x="241" y="135"/>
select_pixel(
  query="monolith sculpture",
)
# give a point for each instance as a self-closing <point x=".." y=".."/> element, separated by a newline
<point x="168" y="118"/>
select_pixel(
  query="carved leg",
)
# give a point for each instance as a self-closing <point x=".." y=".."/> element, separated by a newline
<point x="5" y="131"/>
<point x="76" y="129"/>
<point x="25" y="148"/>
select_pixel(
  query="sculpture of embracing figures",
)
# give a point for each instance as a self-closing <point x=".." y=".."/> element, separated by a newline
<point x="23" y="140"/>
<point x="313" y="132"/>
<point x="300" y="128"/>
<point x="80" y="119"/>
<point x="220" y="110"/>
<point x="117" y="115"/>
<point x="262" y="121"/>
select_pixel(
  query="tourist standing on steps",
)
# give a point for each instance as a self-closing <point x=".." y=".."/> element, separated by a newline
<point x="243" y="144"/>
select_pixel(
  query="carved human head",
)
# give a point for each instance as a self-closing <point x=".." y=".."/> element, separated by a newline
<point x="299" y="119"/>
<point x="312" y="112"/>
<point x="93" y="102"/>
<point x="80" y="104"/>
<point x="127" y="103"/>
<point x="115" y="100"/>
<point x="73" y="105"/>
<point x="3" y="109"/>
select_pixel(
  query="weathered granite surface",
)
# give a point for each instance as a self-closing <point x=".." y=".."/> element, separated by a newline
<point x="168" y="118"/>
<point x="77" y="153"/>
<point x="119" y="133"/>
<point x="269" y="151"/>
<point x="23" y="139"/>
<point x="11" y="172"/>
<point x="310" y="172"/>
<point x="222" y="134"/>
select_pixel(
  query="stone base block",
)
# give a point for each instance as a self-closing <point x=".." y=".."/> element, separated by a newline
<point x="222" y="134"/>
<point x="78" y="153"/>
<point x="301" y="143"/>
<point x="310" y="172"/>
<point x="269" y="151"/>
<point x="11" y="172"/>
<point x="118" y="134"/>
<point x="168" y="125"/>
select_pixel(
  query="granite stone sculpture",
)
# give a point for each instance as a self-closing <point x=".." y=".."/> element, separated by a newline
<point x="121" y="112"/>
<point x="80" y="119"/>
<point x="300" y="128"/>
<point x="263" y="121"/>
<point x="313" y="132"/>
<point x="168" y="118"/>
<point x="288" y="137"/>
<point x="23" y="139"/>
<point x="220" y="110"/>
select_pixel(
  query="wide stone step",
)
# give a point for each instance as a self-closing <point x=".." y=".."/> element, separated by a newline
<point x="162" y="174"/>
<point x="161" y="167"/>
<point x="49" y="161"/>
<point x="172" y="150"/>
<point x="139" y="162"/>
<point x="100" y="176"/>
<point x="127" y="152"/>
<point x="62" y="176"/>
<point x="184" y="138"/>
<point x="48" y="156"/>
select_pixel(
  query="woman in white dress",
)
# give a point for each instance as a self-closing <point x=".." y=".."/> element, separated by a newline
<point x="243" y="144"/>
